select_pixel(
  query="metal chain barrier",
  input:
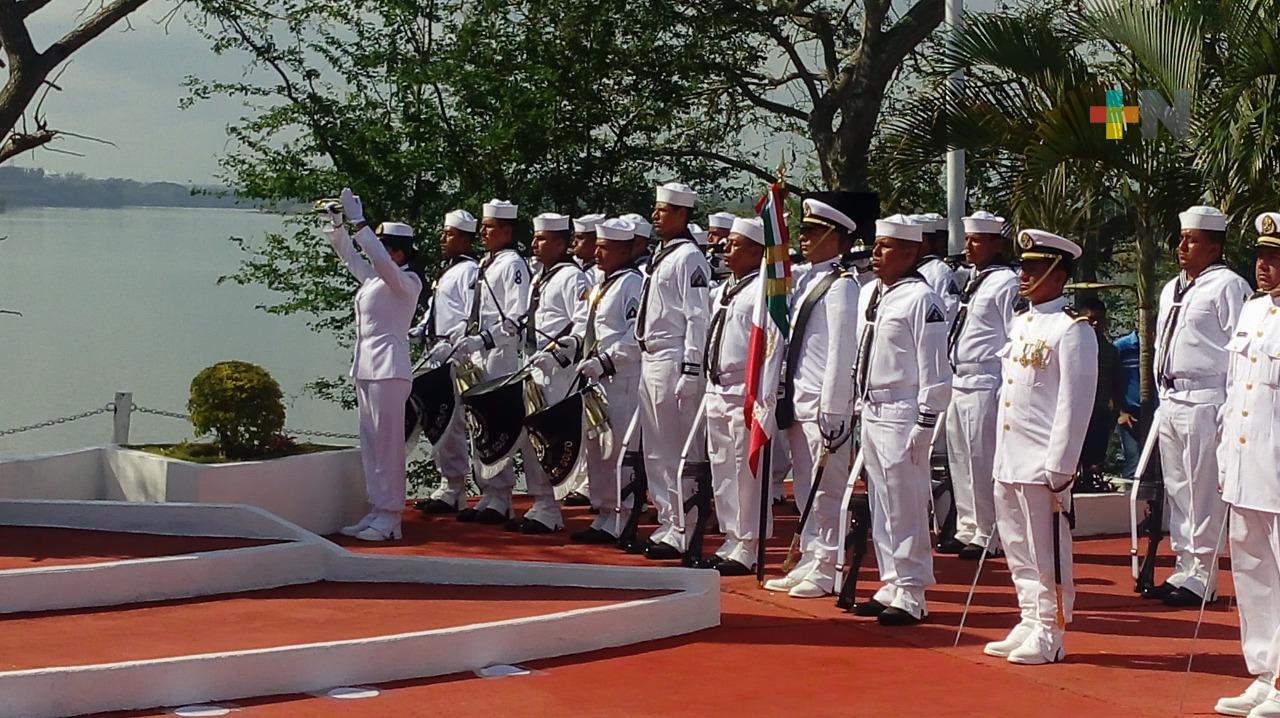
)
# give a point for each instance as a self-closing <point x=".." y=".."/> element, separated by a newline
<point x="111" y="407"/>
<point x="161" y="412"/>
<point x="321" y="434"/>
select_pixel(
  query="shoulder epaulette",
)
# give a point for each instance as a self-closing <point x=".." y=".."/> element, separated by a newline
<point x="1257" y="294"/>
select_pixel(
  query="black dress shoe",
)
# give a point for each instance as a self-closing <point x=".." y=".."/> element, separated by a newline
<point x="435" y="506"/>
<point x="634" y="547"/>
<point x="700" y="562"/>
<point x="1182" y="598"/>
<point x="514" y="525"/>
<point x="576" y="499"/>
<point x="1159" y="592"/>
<point x="490" y="516"/>
<point x="592" y="535"/>
<point x="950" y="545"/>
<point x="869" y="608"/>
<point x="733" y="568"/>
<point x="894" y="616"/>
<point x="467" y="515"/>
<point x="662" y="552"/>
<point x="973" y="552"/>
<point x="535" y="527"/>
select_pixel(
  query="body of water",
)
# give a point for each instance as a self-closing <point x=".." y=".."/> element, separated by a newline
<point x="128" y="300"/>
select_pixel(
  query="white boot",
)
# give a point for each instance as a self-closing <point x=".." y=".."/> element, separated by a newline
<point x="783" y="584"/>
<point x="1240" y="705"/>
<point x="384" y="527"/>
<point x="1016" y="637"/>
<point x="360" y="525"/>
<point x="812" y="587"/>
<point x="1043" y="645"/>
<point x="1270" y="708"/>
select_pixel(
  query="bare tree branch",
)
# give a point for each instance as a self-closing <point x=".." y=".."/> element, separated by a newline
<point x="789" y="47"/>
<point x="89" y="29"/>
<point x="28" y="7"/>
<point x="726" y="160"/>
<point x="765" y="103"/>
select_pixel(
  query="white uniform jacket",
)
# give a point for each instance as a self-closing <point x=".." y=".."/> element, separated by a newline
<point x="384" y="306"/>
<point x="1191" y="355"/>
<point x="502" y="289"/>
<point x="605" y="324"/>
<point x="907" y="358"/>
<point x="981" y="327"/>
<point x="941" y="278"/>
<point x="823" y="371"/>
<point x="674" y="305"/>
<point x="1050" y="374"/>
<point x="1249" y="453"/>
<point x="557" y="291"/>
<point x="451" y="299"/>
<point x="733" y="309"/>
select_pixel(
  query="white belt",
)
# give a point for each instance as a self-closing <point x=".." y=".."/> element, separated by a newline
<point x="984" y="368"/>
<point x="885" y="396"/>
<point x="1193" y="383"/>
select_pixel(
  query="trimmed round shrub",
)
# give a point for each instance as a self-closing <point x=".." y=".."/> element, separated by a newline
<point x="240" y="404"/>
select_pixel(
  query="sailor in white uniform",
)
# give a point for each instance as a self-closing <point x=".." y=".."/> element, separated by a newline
<point x="1249" y="476"/>
<point x="672" y="332"/>
<point x="1198" y="313"/>
<point x="501" y="294"/>
<point x="640" y="254"/>
<point x="444" y="324"/>
<point x="736" y="490"/>
<point x="819" y="378"/>
<point x="384" y="307"/>
<point x="978" y="333"/>
<point x="584" y="245"/>
<point x="904" y="383"/>
<point x="1050" y="371"/>
<point x="939" y="275"/>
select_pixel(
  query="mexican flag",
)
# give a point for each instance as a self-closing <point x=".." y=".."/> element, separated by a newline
<point x="770" y="327"/>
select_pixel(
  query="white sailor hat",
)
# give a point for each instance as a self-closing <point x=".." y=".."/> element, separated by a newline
<point x="721" y="220"/>
<point x="822" y="214"/>
<point x="1268" y="226"/>
<point x="699" y="234"/>
<point x="678" y="194"/>
<point x="899" y="226"/>
<point x="500" y="209"/>
<point x="394" y="229"/>
<point x="460" y="219"/>
<point x="932" y="222"/>
<point x="1039" y="244"/>
<point x="587" y="223"/>
<point x="983" y="222"/>
<point x="1201" y="217"/>
<point x="551" y="222"/>
<point x="642" y="226"/>
<point x="752" y="229"/>
<point x="616" y="230"/>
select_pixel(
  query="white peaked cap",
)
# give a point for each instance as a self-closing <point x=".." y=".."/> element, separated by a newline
<point x="460" y="219"/>
<point x="752" y="229"/>
<point x="394" y="229"/>
<point x="500" y="209"/>
<point x="617" y="230"/>
<point x="828" y="214"/>
<point x="1268" y="226"/>
<point x="678" y="194"/>
<point x="1030" y="240"/>
<point x="1201" y="217"/>
<point x="721" y="220"/>
<point x="698" y="233"/>
<point x="899" y="226"/>
<point x="641" y="225"/>
<point x="983" y="222"/>
<point x="587" y="222"/>
<point x="551" y="222"/>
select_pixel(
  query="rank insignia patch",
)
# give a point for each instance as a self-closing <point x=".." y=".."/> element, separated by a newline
<point x="934" y="315"/>
<point x="633" y="308"/>
<point x="699" y="279"/>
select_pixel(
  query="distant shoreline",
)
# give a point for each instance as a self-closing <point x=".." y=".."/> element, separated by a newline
<point x="27" y="187"/>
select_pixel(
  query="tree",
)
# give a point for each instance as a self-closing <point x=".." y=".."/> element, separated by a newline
<point x="30" y="69"/>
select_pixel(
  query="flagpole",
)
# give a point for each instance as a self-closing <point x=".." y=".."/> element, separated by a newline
<point x="762" y="475"/>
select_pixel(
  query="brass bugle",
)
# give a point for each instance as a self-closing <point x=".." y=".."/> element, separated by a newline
<point x="323" y="206"/>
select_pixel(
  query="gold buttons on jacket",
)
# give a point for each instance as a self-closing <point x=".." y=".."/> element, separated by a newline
<point x="1248" y="387"/>
<point x="1244" y="413"/>
<point x="1006" y="427"/>
<point x="1242" y="440"/>
<point x="1008" y="403"/>
<point x="1010" y="381"/>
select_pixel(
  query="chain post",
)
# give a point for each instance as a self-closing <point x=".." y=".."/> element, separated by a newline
<point x="123" y="409"/>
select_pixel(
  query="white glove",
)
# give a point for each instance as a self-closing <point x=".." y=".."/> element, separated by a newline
<point x="351" y="205"/>
<point x="919" y="442"/>
<point x="834" y="429"/>
<point x="591" y="369"/>
<point x="469" y="344"/>
<point x="544" y="362"/>
<point x="509" y="327"/>
<point x="688" y="387"/>
<point x="439" y="352"/>
<point x="418" y="335"/>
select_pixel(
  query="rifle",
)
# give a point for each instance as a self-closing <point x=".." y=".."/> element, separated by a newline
<point x="1148" y="485"/>
<point x="860" y="508"/>
<point x="637" y="488"/>
<point x="941" y="484"/>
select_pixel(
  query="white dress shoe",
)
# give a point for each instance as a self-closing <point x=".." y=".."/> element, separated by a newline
<point x="808" y="589"/>
<point x="782" y="585"/>
<point x="1041" y="647"/>
<point x="373" y="533"/>
<point x="1240" y="705"/>
<point x="1270" y="708"/>
<point x="1016" y="637"/>
<point x="360" y="525"/>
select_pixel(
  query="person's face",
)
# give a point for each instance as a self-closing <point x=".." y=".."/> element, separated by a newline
<point x="1196" y="251"/>
<point x="1033" y="270"/>
<point x="611" y="255"/>
<point x="639" y="246"/>
<point x="396" y="255"/>
<point x="584" y="246"/>
<point x="669" y="220"/>
<point x="818" y="243"/>
<point x="496" y="234"/>
<point x="549" y="247"/>
<point x="716" y="235"/>
<point x="1267" y="270"/>
<point x="981" y="250"/>
<point x="742" y="255"/>
<point x="454" y="242"/>
<point x="891" y="258"/>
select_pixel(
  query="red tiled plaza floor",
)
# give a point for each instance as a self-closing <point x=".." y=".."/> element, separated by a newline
<point x="27" y="547"/>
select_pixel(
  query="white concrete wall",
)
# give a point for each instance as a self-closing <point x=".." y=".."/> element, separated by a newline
<point x="72" y="475"/>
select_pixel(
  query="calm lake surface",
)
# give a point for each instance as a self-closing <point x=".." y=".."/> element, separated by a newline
<point x="127" y="300"/>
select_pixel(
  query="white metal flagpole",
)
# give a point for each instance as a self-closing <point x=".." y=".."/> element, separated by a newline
<point x="955" y="158"/>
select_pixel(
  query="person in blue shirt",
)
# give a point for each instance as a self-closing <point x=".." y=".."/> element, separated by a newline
<point x="1127" y="423"/>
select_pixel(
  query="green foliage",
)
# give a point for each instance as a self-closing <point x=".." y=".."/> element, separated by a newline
<point x="241" y="405"/>
<point x="209" y="453"/>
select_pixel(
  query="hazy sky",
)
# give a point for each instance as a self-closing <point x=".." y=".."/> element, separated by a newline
<point x="125" y="87"/>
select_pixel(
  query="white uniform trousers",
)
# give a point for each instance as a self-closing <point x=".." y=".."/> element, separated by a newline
<point x="1189" y="460"/>
<point x="382" y="445"/>
<point x="818" y="541"/>
<point x="452" y="459"/>
<point x="1255" y="568"/>
<point x="971" y="452"/>
<point x="602" y="468"/>
<point x="665" y="422"/>
<point x="899" y="494"/>
<point x="1026" y="520"/>
<point x="737" y="491"/>
<point x="546" y="507"/>
<point x="496" y="492"/>
<point x="576" y="483"/>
